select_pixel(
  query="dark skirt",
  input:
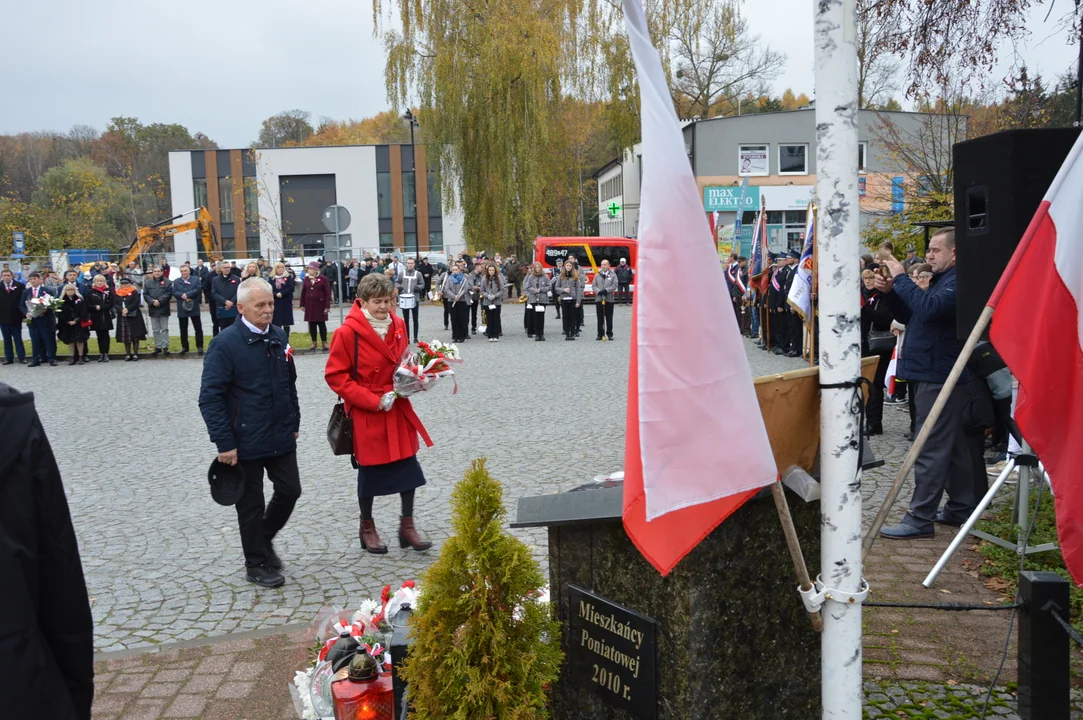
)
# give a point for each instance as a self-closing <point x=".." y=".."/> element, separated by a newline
<point x="389" y="479"/>
<point x="69" y="334"/>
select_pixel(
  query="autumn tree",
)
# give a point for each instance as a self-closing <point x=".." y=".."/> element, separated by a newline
<point x="289" y="126"/>
<point x="717" y="58"/>
<point x="789" y="101"/>
<point x="877" y="67"/>
<point x="383" y="128"/>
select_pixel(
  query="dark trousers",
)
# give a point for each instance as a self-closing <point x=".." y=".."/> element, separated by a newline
<point x="474" y="316"/>
<point x="492" y="322"/>
<point x="912" y="408"/>
<point x="516" y="287"/>
<point x="535" y="321"/>
<point x="447" y="312"/>
<point x="214" y="320"/>
<point x="975" y="444"/>
<point x="197" y="327"/>
<point x="13" y="341"/>
<point x="321" y="327"/>
<point x="460" y="321"/>
<point x="570" y="317"/>
<point x="43" y="338"/>
<point x="944" y="463"/>
<point x="874" y="408"/>
<point x="797" y="336"/>
<point x="407" y="313"/>
<point x="103" y="341"/>
<point x="224" y="323"/>
<point x="604" y="310"/>
<point x="260" y="524"/>
<point x="580" y="314"/>
<point x="623" y="295"/>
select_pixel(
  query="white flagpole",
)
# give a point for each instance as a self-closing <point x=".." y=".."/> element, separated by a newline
<point x="840" y="356"/>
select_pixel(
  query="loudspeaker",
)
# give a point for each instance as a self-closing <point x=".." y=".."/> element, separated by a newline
<point x="1000" y="180"/>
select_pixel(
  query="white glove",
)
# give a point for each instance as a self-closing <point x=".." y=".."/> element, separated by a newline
<point x="387" y="401"/>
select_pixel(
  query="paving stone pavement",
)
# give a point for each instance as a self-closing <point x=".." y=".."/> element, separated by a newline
<point x="163" y="561"/>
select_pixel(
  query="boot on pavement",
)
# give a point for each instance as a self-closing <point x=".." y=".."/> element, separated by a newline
<point x="370" y="539"/>
<point x="409" y="535"/>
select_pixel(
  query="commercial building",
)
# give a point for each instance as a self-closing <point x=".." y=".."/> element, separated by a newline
<point x="270" y="201"/>
<point x="776" y="154"/>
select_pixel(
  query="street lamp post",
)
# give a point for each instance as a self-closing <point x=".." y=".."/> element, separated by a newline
<point x="412" y="121"/>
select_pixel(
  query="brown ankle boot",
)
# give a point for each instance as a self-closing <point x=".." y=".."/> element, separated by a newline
<point x="409" y="536"/>
<point x="370" y="539"/>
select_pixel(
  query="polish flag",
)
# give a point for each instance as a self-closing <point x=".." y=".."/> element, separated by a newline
<point x="892" y="366"/>
<point x="696" y="447"/>
<point x="1038" y="329"/>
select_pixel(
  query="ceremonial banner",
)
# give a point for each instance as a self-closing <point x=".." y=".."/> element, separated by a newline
<point x="685" y="389"/>
<point x="800" y="297"/>
<point x="1038" y="330"/>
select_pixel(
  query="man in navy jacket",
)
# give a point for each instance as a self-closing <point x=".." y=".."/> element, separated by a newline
<point x="43" y="327"/>
<point x="248" y="398"/>
<point x="929" y="352"/>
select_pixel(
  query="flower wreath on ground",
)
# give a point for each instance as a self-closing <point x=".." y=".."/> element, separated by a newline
<point x="339" y="635"/>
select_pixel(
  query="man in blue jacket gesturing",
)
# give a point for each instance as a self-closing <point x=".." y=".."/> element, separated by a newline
<point x="248" y="398"/>
<point x="928" y="354"/>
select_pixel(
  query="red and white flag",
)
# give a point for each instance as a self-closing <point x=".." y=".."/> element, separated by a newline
<point x="1038" y="329"/>
<point x="696" y="447"/>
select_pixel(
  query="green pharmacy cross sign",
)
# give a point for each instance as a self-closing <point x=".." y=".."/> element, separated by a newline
<point x="614" y="209"/>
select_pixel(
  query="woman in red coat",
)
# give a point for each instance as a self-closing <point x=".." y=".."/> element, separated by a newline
<point x="316" y="300"/>
<point x="365" y="353"/>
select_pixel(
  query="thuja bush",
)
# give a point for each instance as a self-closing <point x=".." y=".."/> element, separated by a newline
<point x="483" y="647"/>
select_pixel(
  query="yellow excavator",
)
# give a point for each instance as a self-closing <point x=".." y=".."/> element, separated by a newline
<point x="146" y="237"/>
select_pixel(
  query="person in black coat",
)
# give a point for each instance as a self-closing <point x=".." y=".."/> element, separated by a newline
<point x="46" y="630"/>
<point x="188" y="292"/>
<point x="205" y="279"/>
<point x="248" y="399"/>
<point x="875" y="326"/>
<point x="131" y="329"/>
<point x="282" y="285"/>
<point x="11" y="317"/>
<point x="101" y="304"/>
<point x="73" y="324"/>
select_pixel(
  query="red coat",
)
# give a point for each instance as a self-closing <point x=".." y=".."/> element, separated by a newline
<point x="316" y="298"/>
<point x="379" y="437"/>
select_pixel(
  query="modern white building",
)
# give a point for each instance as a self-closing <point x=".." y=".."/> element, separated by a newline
<point x="618" y="195"/>
<point x="270" y="201"/>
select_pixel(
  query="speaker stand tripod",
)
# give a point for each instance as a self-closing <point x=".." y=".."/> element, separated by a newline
<point x="1026" y="462"/>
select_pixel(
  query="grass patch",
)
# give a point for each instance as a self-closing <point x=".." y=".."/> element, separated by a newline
<point x="1002" y="564"/>
<point x="301" y="342"/>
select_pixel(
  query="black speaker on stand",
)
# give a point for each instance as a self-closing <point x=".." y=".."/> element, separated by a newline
<point x="1000" y="180"/>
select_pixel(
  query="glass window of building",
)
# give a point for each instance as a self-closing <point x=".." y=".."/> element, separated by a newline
<point x="409" y="195"/>
<point x="251" y="200"/>
<point x="436" y="241"/>
<point x="862" y="157"/>
<point x="225" y="199"/>
<point x="229" y="245"/>
<point x="435" y="198"/>
<point x="199" y="191"/>
<point x="752" y="160"/>
<point x="383" y="194"/>
<point x="793" y="159"/>
<point x="387" y="242"/>
<point x="410" y="242"/>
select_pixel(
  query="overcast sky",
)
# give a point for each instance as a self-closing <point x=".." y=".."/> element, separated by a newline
<point x="221" y="67"/>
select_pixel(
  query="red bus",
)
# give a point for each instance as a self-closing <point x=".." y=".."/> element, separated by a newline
<point x="551" y="252"/>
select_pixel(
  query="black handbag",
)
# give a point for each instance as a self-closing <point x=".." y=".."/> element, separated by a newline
<point x="340" y="427"/>
<point x="881" y="342"/>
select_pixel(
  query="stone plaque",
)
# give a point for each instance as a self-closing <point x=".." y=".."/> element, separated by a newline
<point x="611" y="650"/>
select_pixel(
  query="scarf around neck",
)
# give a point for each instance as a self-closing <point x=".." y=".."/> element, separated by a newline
<point x="380" y="326"/>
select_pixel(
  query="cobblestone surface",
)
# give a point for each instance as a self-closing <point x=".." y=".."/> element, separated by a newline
<point x="163" y="561"/>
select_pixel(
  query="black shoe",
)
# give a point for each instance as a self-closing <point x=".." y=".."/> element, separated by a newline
<point x="135" y="357"/>
<point x="8" y="362"/>
<point x="273" y="561"/>
<point x="874" y="429"/>
<point x="36" y="363"/>
<point x="793" y="354"/>
<point x="778" y="351"/>
<point x="540" y="338"/>
<point x="909" y="436"/>
<point x="183" y="353"/>
<point x="23" y="360"/>
<point x="530" y="335"/>
<point x="127" y="358"/>
<point x="101" y="358"/>
<point x="610" y="338"/>
<point x="53" y="363"/>
<point x="166" y="353"/>
<point x="157" y="351"/>
<point x="264" y="577"/>
<point x="944" y="519"/>
<point x="599" y="338"/>
<point x="199" y="351"/>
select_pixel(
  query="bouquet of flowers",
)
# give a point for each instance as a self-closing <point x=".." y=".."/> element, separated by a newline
<point x="43" y="304"/>
<point x="366" y="630"/>
<point x="421" y="370"/>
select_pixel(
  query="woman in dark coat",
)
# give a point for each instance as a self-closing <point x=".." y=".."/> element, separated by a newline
<point x="875" y="323"/>
<point x="385" y="427"/>
<point x="73" y="324"/>
<point x="282" y="284"/>
<point x="131" y="329"/>
<point x="316" y="300"/>
<point x="100" y="305"/>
